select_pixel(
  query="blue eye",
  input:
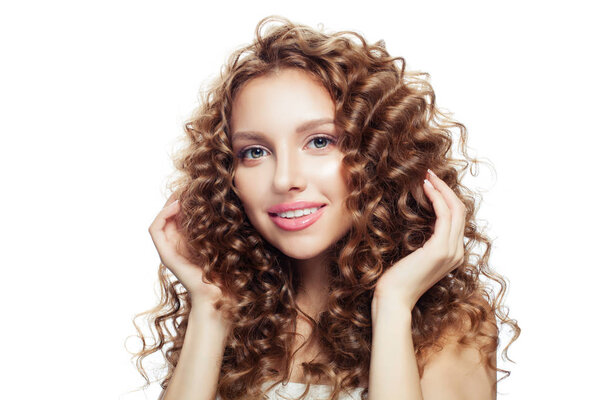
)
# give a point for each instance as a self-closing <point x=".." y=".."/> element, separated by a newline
<point x="256" y="152"/>
<point x="321" y="139"/>
<point x="252" y="150"/>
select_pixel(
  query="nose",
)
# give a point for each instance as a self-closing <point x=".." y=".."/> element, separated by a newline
<point x="288" y="173"/>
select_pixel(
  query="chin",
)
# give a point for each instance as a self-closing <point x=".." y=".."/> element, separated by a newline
<point x="299" y="251"/>
<point x="298" y="254"/>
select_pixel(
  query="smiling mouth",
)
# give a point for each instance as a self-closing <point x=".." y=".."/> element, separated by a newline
<point x="297" y="223"/>
<point x="317" y="209"/>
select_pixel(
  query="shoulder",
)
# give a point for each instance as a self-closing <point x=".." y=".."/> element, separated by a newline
<point x="459" y="369"/>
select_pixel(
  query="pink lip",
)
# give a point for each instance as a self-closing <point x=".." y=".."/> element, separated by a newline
<point x="296" y="224"/>
<point x="298" y="205"/>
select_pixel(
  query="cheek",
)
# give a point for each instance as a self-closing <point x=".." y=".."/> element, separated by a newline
<point x="345" y="176"/>
<point x="249" y="192"/>
<point x="240" y="190"/>
<point x="333" y="176"/>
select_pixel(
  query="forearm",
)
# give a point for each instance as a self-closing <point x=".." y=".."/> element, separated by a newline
<point x="393" y="370"/>
<point x="197" y="372"/>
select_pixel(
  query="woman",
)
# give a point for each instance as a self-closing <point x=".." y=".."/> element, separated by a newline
<point x="317" y="232"/>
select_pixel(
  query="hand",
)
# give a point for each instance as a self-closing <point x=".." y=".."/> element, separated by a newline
<point x="173" y="254"/>
<point x="408" y="279"/>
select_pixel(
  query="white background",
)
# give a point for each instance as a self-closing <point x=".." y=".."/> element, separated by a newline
<point x="93" y="96"/>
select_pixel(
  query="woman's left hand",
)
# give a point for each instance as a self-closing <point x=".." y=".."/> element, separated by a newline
<point x="408" y="279"/>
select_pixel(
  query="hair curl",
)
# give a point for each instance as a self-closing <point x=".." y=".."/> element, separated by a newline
<point x="392" y="132"/>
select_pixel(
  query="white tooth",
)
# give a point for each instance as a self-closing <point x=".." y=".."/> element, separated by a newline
<point x="298" y="213"/>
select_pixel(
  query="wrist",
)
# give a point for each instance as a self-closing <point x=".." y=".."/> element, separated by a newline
<point x="208" y="314"/>
<point x="392" y="299"/>
<point x="390" y="308"/>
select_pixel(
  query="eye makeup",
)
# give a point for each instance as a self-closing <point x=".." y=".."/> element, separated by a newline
<point x="330" y="140"/>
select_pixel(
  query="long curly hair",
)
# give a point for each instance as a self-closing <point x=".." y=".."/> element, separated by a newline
<point x="392" y="132"/>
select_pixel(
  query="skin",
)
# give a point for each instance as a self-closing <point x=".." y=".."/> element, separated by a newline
<point x="413" y="275"/>
<point x="293" y="167"/>
<point x="455" y="372"/>
<point x="285" y="165"/>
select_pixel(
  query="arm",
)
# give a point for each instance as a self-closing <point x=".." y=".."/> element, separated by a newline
<point x="393" y="372"/>
<point x="453" y="373"/>
<point x="456" y="372"/>
<point x="197" y="371"/>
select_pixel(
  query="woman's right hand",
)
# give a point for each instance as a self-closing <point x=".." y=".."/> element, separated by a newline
<point x="173" y="254"/>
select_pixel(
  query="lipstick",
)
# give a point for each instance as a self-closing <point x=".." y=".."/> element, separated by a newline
<point x="297" y="205"/>
<point x="298" y="223"/>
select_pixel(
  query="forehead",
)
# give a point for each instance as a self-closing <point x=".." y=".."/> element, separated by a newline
<point x="280" y="99"/>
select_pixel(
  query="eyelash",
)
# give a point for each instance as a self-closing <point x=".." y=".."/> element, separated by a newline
<point x="244" y="151"/>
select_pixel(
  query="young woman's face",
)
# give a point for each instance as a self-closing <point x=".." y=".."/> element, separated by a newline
<point x="283" y="133"/>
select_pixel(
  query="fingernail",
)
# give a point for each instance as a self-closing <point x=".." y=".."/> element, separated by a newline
<point x="428" y="183"/>
<point x="431" y="172"/>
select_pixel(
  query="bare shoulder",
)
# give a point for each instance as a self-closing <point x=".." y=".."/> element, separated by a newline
<point x="460" y="371"/>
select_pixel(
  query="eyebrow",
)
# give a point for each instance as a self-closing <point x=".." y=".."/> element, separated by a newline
<point x="305" y="126"/>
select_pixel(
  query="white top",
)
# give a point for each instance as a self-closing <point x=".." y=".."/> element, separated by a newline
<point x="293" y="390"/>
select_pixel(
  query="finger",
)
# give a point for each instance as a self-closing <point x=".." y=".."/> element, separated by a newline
<point x="172" y="198"/>
<point x="161" y="218"/>
<point x="442" y="212"/>
<point x="160" y="232"/>
<point x="457" y="209"/>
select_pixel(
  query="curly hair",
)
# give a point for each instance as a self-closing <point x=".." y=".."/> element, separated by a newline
<point x="392" y="133"/>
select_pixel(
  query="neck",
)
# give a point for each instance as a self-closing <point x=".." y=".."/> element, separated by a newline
<point x="313" y="290"/>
